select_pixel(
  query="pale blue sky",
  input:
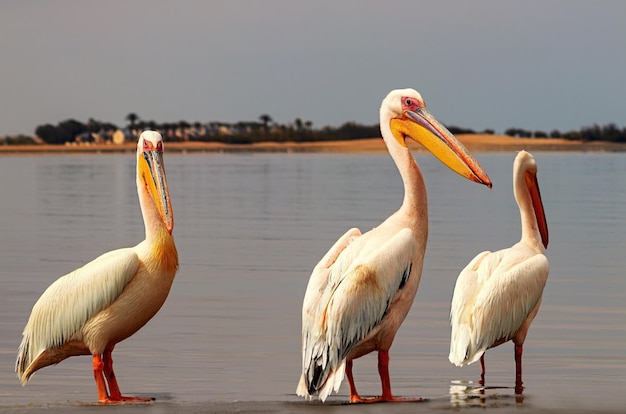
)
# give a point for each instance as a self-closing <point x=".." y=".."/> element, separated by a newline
<point x="549" y="64"/>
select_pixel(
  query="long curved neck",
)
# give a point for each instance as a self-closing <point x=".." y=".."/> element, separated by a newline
<point x="415" y="203"/>
<point x="530" y="229"/>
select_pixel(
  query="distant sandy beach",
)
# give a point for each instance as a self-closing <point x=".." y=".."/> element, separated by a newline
<point x="474" y="142"/>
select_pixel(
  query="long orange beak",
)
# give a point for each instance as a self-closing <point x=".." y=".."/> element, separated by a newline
<point x="422" y="127"/>
<point x="535" y="197"/>
<point x="153" y="172"/>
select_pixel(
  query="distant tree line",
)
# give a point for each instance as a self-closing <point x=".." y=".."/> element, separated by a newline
<point x="241" y="132"/>
<point x="69" y="130"/>
<point x="265" y="129"/>
<point x="606" y="133"/>
<point x="18" y="140"/>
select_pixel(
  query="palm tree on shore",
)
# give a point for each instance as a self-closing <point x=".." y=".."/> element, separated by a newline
<point x="132" y="118"/>
<point x="265" y="119"/>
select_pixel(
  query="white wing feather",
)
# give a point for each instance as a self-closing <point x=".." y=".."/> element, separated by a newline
<point x="319" y="277"/>
<point x="314" y="291"/>
<point x="73" y="299"/>
<point x="354" y="300"/>
<point x="493" y="296"/>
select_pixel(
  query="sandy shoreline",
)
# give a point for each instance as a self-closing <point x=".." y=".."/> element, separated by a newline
<point x="474" y="142"/>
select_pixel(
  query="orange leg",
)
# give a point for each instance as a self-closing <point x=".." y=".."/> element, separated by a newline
<point x="383" y="371"/>
<point x="103" y="370"/>
<point x="109" y="375"/>
<point x="98" y="365"/>
<point x="354" y="395"/>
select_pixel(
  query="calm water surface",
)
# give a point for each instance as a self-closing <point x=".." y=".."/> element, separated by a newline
<point x="249" y="229"/>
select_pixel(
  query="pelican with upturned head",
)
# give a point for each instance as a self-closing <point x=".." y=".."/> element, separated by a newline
<point x="498" y="294"/>
<point x="90" y="310"/>
<point x="360" y="292"/>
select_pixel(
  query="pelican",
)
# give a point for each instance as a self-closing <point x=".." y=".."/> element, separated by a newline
<point x="498" y="294"/>
<point x="363" y="288"/>
<point x="90" y="310"/>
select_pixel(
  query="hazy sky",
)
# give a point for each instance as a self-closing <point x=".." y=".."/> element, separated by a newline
<point x="540" y="64"/>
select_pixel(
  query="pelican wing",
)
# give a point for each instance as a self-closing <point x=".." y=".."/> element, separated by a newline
<point x="316" y="287"/>
<point x="493" y="296"/>
<point x="319" y="277"/>
<point x="355" y="299"/>
<point x="72" y="300"/>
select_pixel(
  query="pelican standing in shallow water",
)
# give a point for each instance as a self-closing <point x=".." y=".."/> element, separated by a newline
<point x="90" y="310"/>
<point x="363" y="288"/>
<point x="498" y="294"/>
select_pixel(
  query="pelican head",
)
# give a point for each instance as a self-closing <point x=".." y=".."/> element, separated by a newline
<point x="151" y="175"/>
<point x="526" y="166"/>
<point x="406" y="114"/>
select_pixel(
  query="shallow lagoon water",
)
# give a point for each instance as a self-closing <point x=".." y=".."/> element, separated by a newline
<point x="250" y="227"/>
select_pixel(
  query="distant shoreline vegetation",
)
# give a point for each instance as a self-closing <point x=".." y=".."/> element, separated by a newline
<point x="263" y="130"/>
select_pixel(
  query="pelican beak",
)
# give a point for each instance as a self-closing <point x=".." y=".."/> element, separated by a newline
<point x="422" y="127"/>
<point x="152" y="172"/>
<point x="535" y="197"/>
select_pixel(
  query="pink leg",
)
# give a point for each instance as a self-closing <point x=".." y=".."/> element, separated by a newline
<point x="115" y="394"/>
<point x="481" y="381"/>
<point x="518" y="369"/>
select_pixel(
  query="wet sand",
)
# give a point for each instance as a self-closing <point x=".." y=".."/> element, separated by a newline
<point x="474" y="142"/>
<point x="503" y="404"/>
